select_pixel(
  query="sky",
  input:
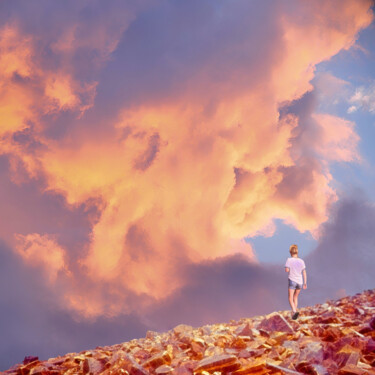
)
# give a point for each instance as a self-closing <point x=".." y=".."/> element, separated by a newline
<point x="158" y="158"/>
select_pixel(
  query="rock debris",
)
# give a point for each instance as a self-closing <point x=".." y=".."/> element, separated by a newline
<point x="336" y="337"/>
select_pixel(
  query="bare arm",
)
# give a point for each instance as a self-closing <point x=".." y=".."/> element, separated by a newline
<point x="286" y="269"/>
<point x="304" y="276"/>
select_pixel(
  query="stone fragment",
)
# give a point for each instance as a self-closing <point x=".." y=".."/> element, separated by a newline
<point x="370" y="346"/>
<point x="372" y="323"/>
<point x="311" y="368"/>
<point x="238" y="343"/>
<point x="158" y="360"/>
<point x="42" y="370"/>
<point x="313" y="352"/>
<point x="248" y="353"/>
<point x="275" y="322"/>
<point x="79" y="358"/>
<point x="331" y="334"/>
<point x="25" y="370"/>
<point x="244" y="330"/>
<point x="279" y="337"/>
<point x="151" y="335"/>
<point x="255" y="332"/>
<point x="115" y="371"/>
<point x="329" y="317"/>
<point x="182" y="371"/>
<point x="365" y="328"/>
<point x="347" y="355"/>
<point x="253" y="367"/>
<point x="283" y="370"/>
<point x="130" y="364"/>
<point x="198" y="346"/>
<point x="247" y="370"/>
<point x="164" y="369"/>
<point x="29" y="359"/>
<point x="57" y="361"/>
<point x="140" y="354"/>
<point x="213" y="351"/>
<point x="185" y="368"/>
<point x="219" y="362"/>
<point x="136" y="369"/>
<point x="351" y="370"/>
<point x="92" y="366"/>
<point x="356" y="333"/>
<point x="182" y="328"/>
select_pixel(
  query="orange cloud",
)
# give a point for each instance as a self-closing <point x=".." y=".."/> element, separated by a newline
<point x="186" y="177"/>
<point x="15" y="61"/>
<point x="42" y="251"/>
<point x="314" y="32"/>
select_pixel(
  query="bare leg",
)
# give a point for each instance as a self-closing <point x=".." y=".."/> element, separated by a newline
<point x="291" y="302"/>
<point x="295" y="297"/>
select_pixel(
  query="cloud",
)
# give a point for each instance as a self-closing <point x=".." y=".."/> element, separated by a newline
<point x="177" y="131"/>
<point x="38" y="250"/>
<point x="363" y="98"/>
<point x="343" y="260"/>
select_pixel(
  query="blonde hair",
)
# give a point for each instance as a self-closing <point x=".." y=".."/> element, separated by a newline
<point x="293" y="249"/>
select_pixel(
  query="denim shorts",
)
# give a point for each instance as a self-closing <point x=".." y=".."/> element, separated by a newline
<point x="294" y="285"/>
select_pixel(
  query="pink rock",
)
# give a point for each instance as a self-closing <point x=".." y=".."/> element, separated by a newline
<point x="275" y="322"/>
<point x="244" y="330"/>
<point x="29" y="359"/>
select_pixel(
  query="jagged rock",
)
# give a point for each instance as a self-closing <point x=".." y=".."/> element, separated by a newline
<point x="311" y="368"/>
<point x="275" y="322"/>
<point x="164" y="369"/>
<point x="257" y="366"/>
<point x="312" y="353"/>
<point x="219" y="362"/>
<point x="29" y="359"/>
<point x="347" y="356"/>
<point x="158" y="360"/>
<point x="370" y="346"/>
<point x="244" y="330"/>
<point x="182" y="328"/>
<point x="92" y="366"/>
<point x="351" y="370"/>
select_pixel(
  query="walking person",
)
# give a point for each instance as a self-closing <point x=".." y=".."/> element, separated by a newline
<point x="296" y="268"/>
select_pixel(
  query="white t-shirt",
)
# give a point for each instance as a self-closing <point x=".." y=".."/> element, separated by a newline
<point x="296" y="266"/>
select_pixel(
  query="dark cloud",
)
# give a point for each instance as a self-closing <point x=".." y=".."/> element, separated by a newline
<point x="295" y="179"/>
<point x="174" y="50"/>
<point x="344" y="260"/>
<point x="223" y="289"/>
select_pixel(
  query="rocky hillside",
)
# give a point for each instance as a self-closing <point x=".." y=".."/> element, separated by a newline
<point x="337" y="337"/>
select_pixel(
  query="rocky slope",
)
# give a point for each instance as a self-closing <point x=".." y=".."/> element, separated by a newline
<point x="337" y="337"/>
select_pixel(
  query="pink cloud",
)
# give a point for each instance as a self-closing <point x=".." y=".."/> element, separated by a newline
<point x="42" y="251"/>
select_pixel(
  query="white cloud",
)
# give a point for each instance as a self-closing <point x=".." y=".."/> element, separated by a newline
<point x="363" y="98"/>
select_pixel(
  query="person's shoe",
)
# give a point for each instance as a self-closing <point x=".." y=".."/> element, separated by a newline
<point x="295" y="315"/>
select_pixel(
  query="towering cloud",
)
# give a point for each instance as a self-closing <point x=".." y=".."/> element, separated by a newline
<point x="173" y="129"/>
